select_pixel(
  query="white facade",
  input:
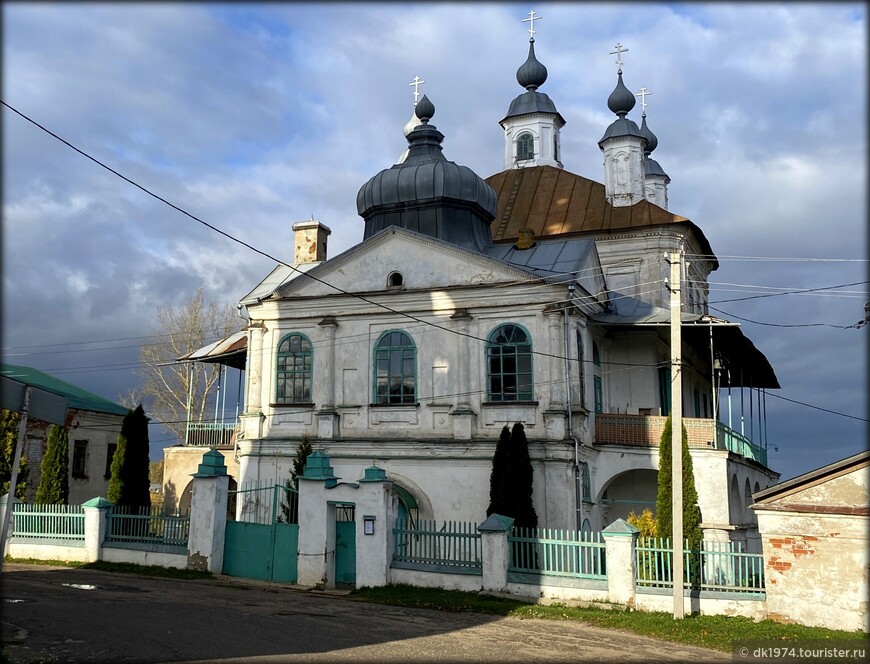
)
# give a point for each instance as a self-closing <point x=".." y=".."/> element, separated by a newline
<point x="624" y="170"/>
<point x="543" y="128"/>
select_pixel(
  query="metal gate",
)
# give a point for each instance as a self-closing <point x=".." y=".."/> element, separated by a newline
<point x="262" y="542"/>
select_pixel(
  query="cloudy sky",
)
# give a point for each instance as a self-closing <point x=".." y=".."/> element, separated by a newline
<point x="253" y="117"/>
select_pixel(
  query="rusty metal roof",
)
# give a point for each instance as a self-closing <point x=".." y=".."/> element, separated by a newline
<point x="553" y="201"/>
<point x="230" y="351"/>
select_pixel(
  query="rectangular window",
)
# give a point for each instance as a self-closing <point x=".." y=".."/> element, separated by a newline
<point x="80" y="455"/>
<point x="599" y="399"/>
<point x="110" y="455"/>
<point x="665" y="389"/>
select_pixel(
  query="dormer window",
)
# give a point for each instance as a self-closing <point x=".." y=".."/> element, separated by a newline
<point x="525" y="146"/>
<point x="395" y="280"/>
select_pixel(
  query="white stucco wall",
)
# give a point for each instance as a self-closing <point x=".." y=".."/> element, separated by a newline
<point x="147" y="558"/>
<point x="25" y="549"/>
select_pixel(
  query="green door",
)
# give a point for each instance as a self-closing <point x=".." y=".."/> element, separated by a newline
<point x="345" y="545"/>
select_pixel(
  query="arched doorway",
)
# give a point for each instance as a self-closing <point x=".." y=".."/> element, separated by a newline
<point x="631" y="491"/>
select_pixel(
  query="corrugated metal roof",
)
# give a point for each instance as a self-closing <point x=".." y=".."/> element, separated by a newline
<point x="748" y="366"/>
<point x="230" y="351"/>
<point x="550" y="258"/>
<point x="279" y="276"/>
<point x="553" y="201"/>
<point x="77" y="397"/>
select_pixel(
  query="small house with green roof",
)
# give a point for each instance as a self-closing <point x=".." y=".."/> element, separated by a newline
<point x="93" y="424"/>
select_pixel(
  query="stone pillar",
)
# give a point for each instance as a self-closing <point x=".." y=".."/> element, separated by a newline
<point x="208" y="514"/>
<point x="96" y="523"/>
<point x="316" y="556"/>
<point x="620" y="540"/>
<point x="496" y="552"/>
<point x="327" y="417"/>
<point x="377" y="505"/>
<point x="462" y="414"/>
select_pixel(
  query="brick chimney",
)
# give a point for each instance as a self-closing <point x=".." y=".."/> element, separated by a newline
<point x="310" y="241"/>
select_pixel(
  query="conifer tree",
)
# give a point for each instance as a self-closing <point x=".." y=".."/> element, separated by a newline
<point x="520" y="477"/>
<point x="130" y="483"/>
<point x="302" y="452"/>
<point x="691" y="511"/>
<point x="9" y="421"/>
<point x="498" y="476"/>
<point x="53" y="486"/>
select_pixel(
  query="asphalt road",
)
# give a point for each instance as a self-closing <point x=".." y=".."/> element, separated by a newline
<point x="58" y="615"/>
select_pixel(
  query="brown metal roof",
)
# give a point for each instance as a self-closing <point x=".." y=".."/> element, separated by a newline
<point x="553" y="201"/>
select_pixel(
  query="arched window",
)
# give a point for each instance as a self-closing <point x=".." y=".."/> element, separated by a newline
<point x="525" y="147"/>
<point x="509" y="364"/>
<point x="395" y="280"/>
<point x="585" y="481"/>
<point x="599" y="390"/>
<point x="395" y="369"/>
<point x="293" y="373"/>
<point x="582" y="368"/>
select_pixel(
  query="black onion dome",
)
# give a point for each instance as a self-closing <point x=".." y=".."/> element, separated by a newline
<point x="532" y="74"/>
<point x="651" y="140"/>
<point x="621" y="101"/>
<point x="654" y="168"/>
<point x="428" y="194"/>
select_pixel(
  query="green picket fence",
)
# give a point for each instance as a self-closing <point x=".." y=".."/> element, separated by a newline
<point x="454" y="544"/>
<point x="557" y="553"/>
<point x="716" y="566"/>
<point x="146" y="525"/>
<point x="63" y="522"/>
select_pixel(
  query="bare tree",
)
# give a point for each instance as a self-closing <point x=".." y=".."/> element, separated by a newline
<point x="167" y="383"/>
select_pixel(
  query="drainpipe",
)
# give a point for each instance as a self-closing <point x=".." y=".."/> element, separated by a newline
<point x="569" y="399"/>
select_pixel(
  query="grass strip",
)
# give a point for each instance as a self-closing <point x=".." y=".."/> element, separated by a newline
<point x="713" y="632"/>
<point x="129" y="568"/>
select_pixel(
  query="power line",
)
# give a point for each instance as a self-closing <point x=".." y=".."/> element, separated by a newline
<point x="792" y="292"/>
<point x="809" y="405"/>
<point x="756" y="322"/>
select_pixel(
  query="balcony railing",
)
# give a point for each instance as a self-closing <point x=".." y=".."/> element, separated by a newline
<point x="211" y="434"/>
<point x="646" y="431"/>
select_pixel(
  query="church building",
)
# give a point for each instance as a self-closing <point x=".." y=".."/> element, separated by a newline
<point x="536" y="296"/>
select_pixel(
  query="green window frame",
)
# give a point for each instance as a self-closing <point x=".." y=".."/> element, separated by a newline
<point x="525" y="146"/>
<point x="293" y="369"/>
<point x="509" y="364"/>
<point x="586" y="482"/>
<point x="395" y="367"/>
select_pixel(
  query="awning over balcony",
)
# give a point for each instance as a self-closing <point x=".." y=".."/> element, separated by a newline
<point x="230" y="352"/>
<point x="742" y="363"/>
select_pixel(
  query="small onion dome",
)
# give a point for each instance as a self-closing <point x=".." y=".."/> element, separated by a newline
<point x="653" y="168"/>
<point x="622" y="127"/>
<point x="532" y="74"/>
<point x="651" y="140"/>
<point x="621" y="101"/>
<point x="428" y="194"/>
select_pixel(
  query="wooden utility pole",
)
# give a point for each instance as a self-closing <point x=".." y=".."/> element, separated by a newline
<point x="676" y="434"/>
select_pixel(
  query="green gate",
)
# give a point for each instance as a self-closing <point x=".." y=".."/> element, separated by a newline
<point x="263" y="541"/>
<point x="345" y="545"/>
